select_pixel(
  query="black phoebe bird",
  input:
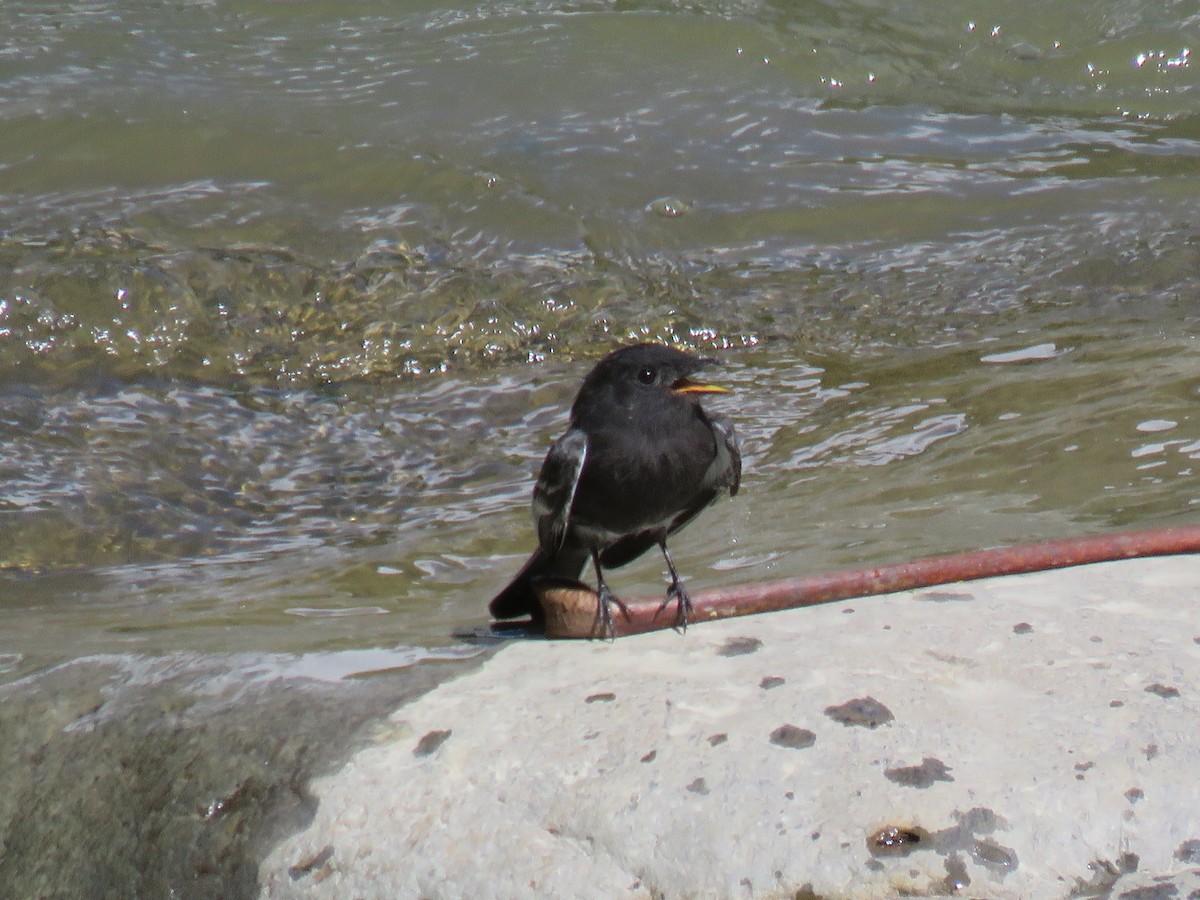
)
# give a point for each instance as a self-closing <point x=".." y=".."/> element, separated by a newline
<point x="640" y="459"/>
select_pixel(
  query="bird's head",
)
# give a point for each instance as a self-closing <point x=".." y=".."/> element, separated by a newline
<point x="643" y="371"/>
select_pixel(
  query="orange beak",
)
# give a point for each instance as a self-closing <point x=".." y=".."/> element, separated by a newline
<point x="687" y="386"/>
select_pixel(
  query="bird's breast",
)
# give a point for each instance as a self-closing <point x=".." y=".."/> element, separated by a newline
<point x="634" y="482"/>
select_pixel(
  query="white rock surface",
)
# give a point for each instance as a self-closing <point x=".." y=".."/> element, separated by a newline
<point x="1025" y="737"/>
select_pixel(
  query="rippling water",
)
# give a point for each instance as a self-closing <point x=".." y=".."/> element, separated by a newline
<point x="279" y="284"/>
<point x="293" y="296"/>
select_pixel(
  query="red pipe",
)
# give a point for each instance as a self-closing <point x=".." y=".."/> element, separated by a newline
<point x="571" y="611"/>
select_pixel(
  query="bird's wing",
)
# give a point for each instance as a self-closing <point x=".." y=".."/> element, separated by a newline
<point x="728" y="472"/>
<point x="555" y="489"/>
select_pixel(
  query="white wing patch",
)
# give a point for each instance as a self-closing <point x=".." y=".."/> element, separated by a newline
<point x="726" y="470"/>
<point x="555" y="489"/>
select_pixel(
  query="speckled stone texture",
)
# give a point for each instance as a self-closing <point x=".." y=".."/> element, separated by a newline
<point x="1028" y="737"/>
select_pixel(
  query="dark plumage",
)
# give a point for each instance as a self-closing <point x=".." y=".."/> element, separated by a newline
<point x="640" y="459"/>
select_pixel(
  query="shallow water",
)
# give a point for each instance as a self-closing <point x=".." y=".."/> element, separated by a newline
<point x="293" y="297"/>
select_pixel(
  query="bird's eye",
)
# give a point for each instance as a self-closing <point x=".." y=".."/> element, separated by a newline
<point x="647" y="376"/>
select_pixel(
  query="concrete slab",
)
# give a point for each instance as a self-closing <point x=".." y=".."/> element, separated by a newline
<point x="1025" y="737"/>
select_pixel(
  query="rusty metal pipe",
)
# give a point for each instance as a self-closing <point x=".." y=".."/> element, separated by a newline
<point x="571" y="609"/>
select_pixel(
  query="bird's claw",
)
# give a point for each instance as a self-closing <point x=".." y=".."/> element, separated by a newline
<point x="603" y="627"/>
<point x="683" y="609"/>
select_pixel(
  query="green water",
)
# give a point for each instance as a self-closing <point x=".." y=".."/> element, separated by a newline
<point x="293" y="297"/>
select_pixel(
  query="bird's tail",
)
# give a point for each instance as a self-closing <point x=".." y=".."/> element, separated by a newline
<point x="519" y="599"/>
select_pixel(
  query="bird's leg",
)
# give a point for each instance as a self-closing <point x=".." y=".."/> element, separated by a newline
<point x="603" y="625"/>
<point x="676" y="592"/>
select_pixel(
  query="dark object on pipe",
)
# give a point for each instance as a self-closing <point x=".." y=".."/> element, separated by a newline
<point x="570" y="607"/>
<point x="640" y="460"/>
